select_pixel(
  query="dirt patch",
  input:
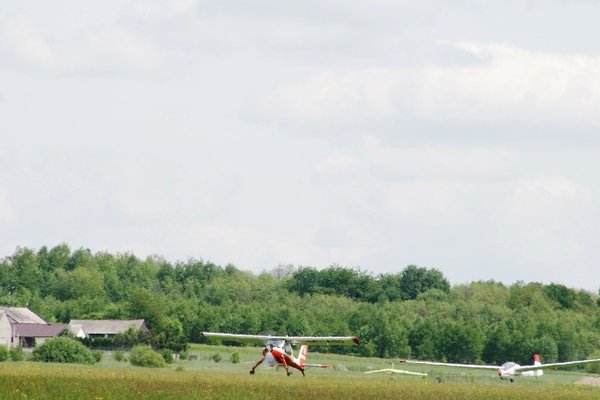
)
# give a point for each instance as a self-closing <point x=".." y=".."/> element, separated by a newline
<point x="589" y="380"/>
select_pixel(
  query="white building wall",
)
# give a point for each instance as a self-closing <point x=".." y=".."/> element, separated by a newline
<point x="5" y="330"/>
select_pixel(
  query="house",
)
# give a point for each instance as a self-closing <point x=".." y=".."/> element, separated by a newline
<point x="104" y="328"/>
<point x="31" y="335"/>
<point x="19" y="326"/>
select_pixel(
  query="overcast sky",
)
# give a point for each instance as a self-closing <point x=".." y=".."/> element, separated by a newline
<point x="458" y="135"/>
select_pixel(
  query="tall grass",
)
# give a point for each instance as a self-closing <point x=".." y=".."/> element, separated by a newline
<point x="205" y="379"/>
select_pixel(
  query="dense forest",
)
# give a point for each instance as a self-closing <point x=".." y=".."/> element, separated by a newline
<point x="412" y="313"/>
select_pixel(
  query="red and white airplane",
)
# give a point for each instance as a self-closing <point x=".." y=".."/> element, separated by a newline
<point x="510" y="369"/>
<point x="278" y="349"/>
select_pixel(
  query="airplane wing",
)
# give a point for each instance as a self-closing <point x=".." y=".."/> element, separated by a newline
<point x="559" y="364"/>
<point x="394" y="371"/>
<point x="317" y="365"/>
<point x="237" y="337"/>
<point x="442" y="364"/>
<point x="337" y="340"/>
<point x="307" y="365"/>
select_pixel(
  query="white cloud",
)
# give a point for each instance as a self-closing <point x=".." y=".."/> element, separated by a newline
<point x="144" y="197"/>
<point x="507" y="84"/>
<point x="331" y="96"/>
<point x="156" y="10"/>
<point x="338" y="165"/>
<point x="548" y="201"/>
<point x="100" y="51"/>
<point x="20" y="39"/>
<point x="116" y="51"/>
<point x="440" y="162"/>
<point x="513" y="84"/>
<point x="6" y="213"/>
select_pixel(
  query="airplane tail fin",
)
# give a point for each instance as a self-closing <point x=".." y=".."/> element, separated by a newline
<point x="537" y="360"/>
<point x="302" y="355"/>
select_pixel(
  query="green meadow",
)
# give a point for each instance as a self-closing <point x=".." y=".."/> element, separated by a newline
<point x="204" y="378"/>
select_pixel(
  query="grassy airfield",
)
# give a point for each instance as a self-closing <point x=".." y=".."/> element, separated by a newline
<point x="206" y="379"/>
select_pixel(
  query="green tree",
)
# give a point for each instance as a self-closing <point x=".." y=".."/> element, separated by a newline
<point x="169" y="334"/>
<point x="391" y="286"/>
<point x="546" y="347"/>
<point x="416" y="280"/>
<point x="58" y="257"/>
<point x="78" y="283"/>
<point x="497" y="345"/>
<point x="28" y="274"/>
<point x="79" y="258"/>
<point x="460" y="342"/>
<point x="304" y="281"/>
<point x="562" y="295"/>
<point x="145" y="304"/>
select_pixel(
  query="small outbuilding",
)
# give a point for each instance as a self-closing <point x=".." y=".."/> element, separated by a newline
<point x="104" y="328"/>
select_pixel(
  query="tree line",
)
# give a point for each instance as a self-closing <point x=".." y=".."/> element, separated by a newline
<point x="413" y="313"/>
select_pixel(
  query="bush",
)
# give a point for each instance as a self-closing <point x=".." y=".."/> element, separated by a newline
<point x="16" y="354"/>
<point x="593" y="368"/>
<point x="144" y="356"/>
<point x="120" y="356"/>
<point x="216" y="357"/>
<point x="63" y="350"/>
<point x="3" y="353"/>
<point x="167" y="355"/>
<point x="235" y="358"/>
<point x="98" y="354"/>
<point x="183" y="355"/>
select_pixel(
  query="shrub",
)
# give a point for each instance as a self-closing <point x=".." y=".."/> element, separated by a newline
<point x="235" y="358"/>
<point x="98" y="354"/>
<point x="167" y="355"/>
<point x="120" y="356"/>
<point x="16" y="354"/>
<point x="216" y="357"/>
<point x="183" y="355"/>
<point x="130" y="338"/>
<point x="3" y="353"/>
<point x="593" y="368"/>
<point x="63" y="350"/>
<point x="144" y="356"/>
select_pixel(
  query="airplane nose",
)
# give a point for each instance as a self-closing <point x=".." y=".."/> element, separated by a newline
<point x="500" y="372"/>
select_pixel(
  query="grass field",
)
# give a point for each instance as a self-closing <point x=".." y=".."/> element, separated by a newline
<point x="206" y="379"/>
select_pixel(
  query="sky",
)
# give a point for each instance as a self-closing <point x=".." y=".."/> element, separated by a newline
<point x="461" y="135"/>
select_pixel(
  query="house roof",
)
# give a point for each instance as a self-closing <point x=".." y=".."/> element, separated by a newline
<point x="107" y="326"/>
<point x="39" y="330"/>
<point x="22" y="315"/>
<point x="77" y="330"/>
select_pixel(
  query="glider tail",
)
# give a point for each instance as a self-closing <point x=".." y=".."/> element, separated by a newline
<point x="537" y="360"/>
<point x="302" y="355"/>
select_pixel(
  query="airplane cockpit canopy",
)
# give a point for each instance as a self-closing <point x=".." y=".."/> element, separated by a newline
<point x="276" y="342"/>
<point x="508" y="365"/>
<point x="288" y="349"/>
